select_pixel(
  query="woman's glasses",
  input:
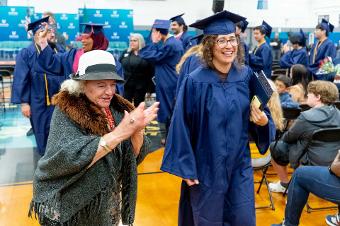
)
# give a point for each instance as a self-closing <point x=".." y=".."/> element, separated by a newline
<point x="222" y="43"/>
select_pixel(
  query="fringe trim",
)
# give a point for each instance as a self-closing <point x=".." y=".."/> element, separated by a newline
<point x="46" y="212"/>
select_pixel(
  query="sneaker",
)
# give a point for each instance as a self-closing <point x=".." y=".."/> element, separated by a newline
<point x="276" y="187"/>
<point x="333" y="220"/>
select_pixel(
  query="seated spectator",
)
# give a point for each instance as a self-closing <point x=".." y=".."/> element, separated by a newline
<point x="322" y="181"/>
<point x="294" y="146"/>
<point x="298" y="90"/>
<point x="283" y="83"/>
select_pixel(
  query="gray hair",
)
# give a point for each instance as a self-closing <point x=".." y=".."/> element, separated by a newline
<point x="141" y="42"/>
<point x="73" y="87"/>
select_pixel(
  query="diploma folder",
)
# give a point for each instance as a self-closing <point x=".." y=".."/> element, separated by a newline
<point x="263" y="90"/>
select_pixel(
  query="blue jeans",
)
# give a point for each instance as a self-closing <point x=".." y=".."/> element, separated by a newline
<point x="306" y="179"/>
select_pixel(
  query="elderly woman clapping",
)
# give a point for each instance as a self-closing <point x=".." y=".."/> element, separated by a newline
<point x="96" y="141"/>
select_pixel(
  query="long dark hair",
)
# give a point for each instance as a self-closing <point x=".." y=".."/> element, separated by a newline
<point x="300" y="75"/>
<point x="208" y="48"/>
<point x="100" y="42"/>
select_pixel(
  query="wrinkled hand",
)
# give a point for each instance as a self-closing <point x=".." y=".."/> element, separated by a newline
<point x="258" y="117"/>
<point x="139" y="118"/>
<point x="26" y="110"/>
<point x="191" y="182"/>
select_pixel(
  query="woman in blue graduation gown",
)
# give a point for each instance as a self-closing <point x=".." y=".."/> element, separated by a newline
<point x="33" y="88"/>
<point x="322" y="49"/>
<point x="208" y="142"/>
<point x="298" y="55"/>
<point x="261" y="58"/>
<point x="164" y="52"/>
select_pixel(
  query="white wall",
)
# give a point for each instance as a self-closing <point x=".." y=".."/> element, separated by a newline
<point x="280" y="13"/>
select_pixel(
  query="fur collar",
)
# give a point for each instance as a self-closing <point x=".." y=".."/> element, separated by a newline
<point x="85" y="114"/>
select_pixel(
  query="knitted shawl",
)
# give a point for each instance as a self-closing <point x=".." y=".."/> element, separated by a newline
<point x="64" y="190"/>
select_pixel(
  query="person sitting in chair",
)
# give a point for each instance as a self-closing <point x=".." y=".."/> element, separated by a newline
<point x="294" y="146"/>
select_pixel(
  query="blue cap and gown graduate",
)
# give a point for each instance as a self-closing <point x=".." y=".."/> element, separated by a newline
<point x="297" y="55"/>
<point x="208" y="138"/>
<point x="321" y="49"/>
<point x="184" y="37"/>
<point x="243" y="26"/>
<point x="34" y="86"/>
<point x="261" y="58"/>
<point x="164" y="55"/>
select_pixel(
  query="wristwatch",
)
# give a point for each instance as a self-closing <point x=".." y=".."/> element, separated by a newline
<point x="103" y="143"/>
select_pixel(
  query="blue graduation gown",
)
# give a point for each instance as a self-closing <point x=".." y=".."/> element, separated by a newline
<point x="29" y="87"/>
<point x="164" y="57"/>
<point x="246" y="53"/>
<point x="295" y="56"/>
<point x="262" y="59"/>
<point x="189" y="65"/>
<point x="326" y="49"/>
<point x="208" y="140"/>
<point x="186" y="41"/>
<point x="61" y="64"/>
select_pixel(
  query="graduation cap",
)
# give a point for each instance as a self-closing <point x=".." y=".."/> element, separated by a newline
<point x="326" y="25"/>
<point x="221" y="23"/>
<point x="179" y="19"/>
<point x="162" y="25"/>
<point x="36" y="25"/>
<point x="302" y="37"/>
<point x="242" y="25"/>
<point x="93" y="28"/>
<point x="267" y="28"/>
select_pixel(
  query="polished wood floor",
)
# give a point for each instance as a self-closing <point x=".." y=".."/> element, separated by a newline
<point x="158" y="195"/>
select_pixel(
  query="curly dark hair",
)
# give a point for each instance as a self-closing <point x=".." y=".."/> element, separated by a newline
<point x="208" y="48"/>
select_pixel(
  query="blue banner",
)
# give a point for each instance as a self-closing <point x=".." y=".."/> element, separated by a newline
<point x="12" y="22"/>
<point x="118" y="22"/>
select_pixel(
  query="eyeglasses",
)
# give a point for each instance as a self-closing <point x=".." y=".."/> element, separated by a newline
<point x="222" y="43"/>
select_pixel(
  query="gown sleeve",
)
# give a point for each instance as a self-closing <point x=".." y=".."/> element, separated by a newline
<point x="179" y="158"/>
<point x="55" y="63"/>
<point x="21" y="80"/>
<point x="155" y="52"/>
<point x="260" y="61"/>
<point x="262" y="135"/>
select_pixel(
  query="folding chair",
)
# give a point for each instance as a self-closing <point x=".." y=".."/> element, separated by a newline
<point x="262" y="164"/>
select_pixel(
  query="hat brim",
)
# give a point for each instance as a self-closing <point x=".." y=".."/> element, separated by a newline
<point x="98" y="76"/>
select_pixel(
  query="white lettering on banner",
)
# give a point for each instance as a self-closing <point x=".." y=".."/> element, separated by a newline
<point x="58" y="26"/>
<point x="123" y="25"/>
<point x="107" y="25"/>
<point x="98" y="14"/>
<point x="130" y="15"/>
<point x="4" y="23"/>
<point x="63" y="17"/>
<point x="114" y="14"/>
<point x="14" y="35"/>
<point x="13" y="12"/>
<point x="22" y="23"/>
<point x="115" y="36"/>
<point x="71" y="26"/>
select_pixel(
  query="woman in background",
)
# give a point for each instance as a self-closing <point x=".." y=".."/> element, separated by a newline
<point x="137" y="71"/>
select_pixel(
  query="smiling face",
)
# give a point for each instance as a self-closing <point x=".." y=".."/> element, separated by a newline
<point x="100" y="92"/>
<point x="258" y="36"/>
<point x="176" y="28"/>
<point x="225" y="49"/>
<point x="87" y="42"/>
<point x="134" y="43"/>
